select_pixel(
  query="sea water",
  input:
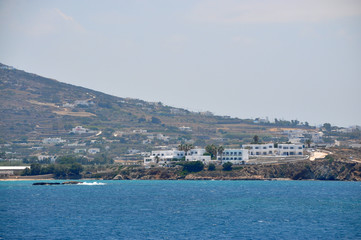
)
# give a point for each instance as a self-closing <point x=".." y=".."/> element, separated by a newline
<point x="181" y="210"/>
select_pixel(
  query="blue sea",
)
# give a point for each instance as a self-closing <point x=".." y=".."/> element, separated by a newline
<point x="181" y="210"/>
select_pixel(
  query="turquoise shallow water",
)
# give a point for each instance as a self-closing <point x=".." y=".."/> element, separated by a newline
<point x="182" y="210"/>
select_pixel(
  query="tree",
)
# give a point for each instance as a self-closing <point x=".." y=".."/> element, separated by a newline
<point x="227" y="166"/>
<point x="308" y="143"/>
<point x="142" y="119"/>
<point x="220" y="150"/>
<point x="76" y="169"/>
<point x="35" y="168"/>
<point x="327" y="127"/>
<point x="211" y="167"/>
<point x="26" y="172"/>
<point x="194" y="166"/>
<point x="212" y="149"/>
<point x="255" y="139"/>
<point x="66" y="160"/>
<point x="156" y="120"/>
<point x="61" y="170"/>
<point x="185" y="147"/>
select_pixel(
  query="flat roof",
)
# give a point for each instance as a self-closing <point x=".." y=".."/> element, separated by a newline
<point x="13" y="167"/>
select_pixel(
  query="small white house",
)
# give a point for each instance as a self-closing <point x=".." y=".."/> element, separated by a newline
<point x="184" y="128"/>
<point x="93" y="150"/>
<point x="139" y="131"/>
<point x="53" y="140"/>
<point x="79" y="130"/>
<point x="235" y="156"/>
<point x="80" y="150"/>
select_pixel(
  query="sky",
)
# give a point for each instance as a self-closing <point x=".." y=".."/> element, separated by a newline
<point x="285" y="59"/>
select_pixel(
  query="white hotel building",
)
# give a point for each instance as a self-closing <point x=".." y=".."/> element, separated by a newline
<point x="290" y="149"/>
<point x="235" y="156"/>
<point x="163" y="157"/>
<point x="260" y="149"/>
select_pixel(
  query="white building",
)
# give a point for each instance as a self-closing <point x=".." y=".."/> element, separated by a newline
<point x="196" y="154"/>
<point x="169" y="154"/>
<point x="147" y="141"/>
<point x="235" y="156"/>
<point x="183" y="128"/>
<point x="260" y="149"/>
<point x="79" y="130"/>
<point x="290" y="149"/>
<point x="80" y="150"/>
<point x="53" y="140"/>
<point x="204" y="159"/>
<point x="133" y="151"/>
<point x="139" y="131"/>
<point x="93" y="150"/>
<point x="52" y="158"/>
<point x="162" y="157"/>
<point x="196" y="151"/>
<point x="162" y="137"/>
<point x="317" y="137"/>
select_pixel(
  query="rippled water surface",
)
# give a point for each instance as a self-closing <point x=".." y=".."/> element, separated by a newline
<point x="181" y="210"/>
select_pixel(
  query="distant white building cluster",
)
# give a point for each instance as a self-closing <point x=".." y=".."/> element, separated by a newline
<point x="233" y="155"/>
<point x="164" y="157"/>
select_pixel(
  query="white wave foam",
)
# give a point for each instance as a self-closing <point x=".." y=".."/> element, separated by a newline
<point x="90" y="184"/>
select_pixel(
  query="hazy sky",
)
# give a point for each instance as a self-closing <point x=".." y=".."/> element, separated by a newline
<point x="283" y="58"/>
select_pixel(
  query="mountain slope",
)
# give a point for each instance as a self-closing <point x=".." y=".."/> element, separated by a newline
<point x="33" y="107"/>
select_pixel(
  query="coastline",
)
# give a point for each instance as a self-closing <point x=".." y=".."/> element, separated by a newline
<point x="303" y="170"/>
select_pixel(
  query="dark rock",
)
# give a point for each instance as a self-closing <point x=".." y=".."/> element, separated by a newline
<point x="46" y="183"/>
<point x="71" y="182"/>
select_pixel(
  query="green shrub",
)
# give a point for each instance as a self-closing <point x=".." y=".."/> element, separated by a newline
<point x="196" y="166"/>
<point x="227" y="166"/>
<point x="211" y="167"/>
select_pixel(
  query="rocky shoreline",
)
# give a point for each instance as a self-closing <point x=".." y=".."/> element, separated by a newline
<point x="302" y="170"/>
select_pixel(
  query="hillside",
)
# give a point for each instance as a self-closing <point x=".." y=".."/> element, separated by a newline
<point x="33" y="107"/>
